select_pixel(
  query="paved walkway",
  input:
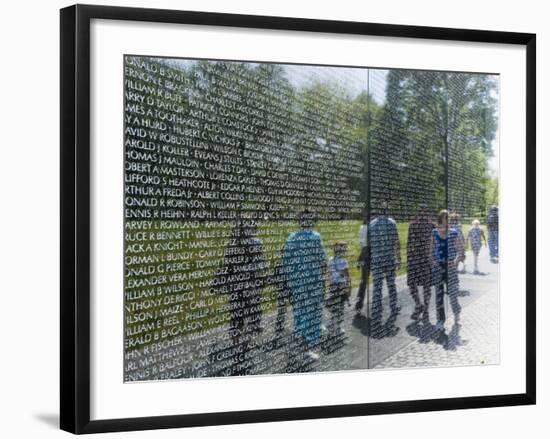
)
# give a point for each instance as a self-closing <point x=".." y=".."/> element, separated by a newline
<point x="214" y="353"/>
<point x="475" y="341"/>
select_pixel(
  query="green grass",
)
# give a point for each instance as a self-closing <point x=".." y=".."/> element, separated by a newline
<point x="203" y="304"/>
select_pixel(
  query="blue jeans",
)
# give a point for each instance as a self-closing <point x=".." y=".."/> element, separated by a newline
<point x="493" y="243"/>
<point x="378" y="275"/>
<point x="307" y="303"/>
<point x="446" y="277"/>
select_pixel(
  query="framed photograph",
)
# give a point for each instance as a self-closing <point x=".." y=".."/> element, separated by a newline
<point x="272" y="218"/>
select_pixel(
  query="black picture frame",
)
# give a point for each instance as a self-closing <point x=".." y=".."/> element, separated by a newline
<point x="75" y="217"/>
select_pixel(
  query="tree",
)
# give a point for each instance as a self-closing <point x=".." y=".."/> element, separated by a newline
<point x="434" y="140"/>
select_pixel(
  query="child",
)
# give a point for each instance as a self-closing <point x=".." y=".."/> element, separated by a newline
<point x="340" y="287"/>
<point x="475" y="237"/>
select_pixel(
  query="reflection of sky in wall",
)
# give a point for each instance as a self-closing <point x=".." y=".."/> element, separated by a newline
<point x="354" y="80"/>
<point x="178" y="62"/>
<point x="493" y="162"/>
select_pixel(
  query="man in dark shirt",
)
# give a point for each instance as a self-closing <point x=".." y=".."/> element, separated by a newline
<point x="385" y="261"/>
<point x="492" y="228"/>
<point x="419" y="264"/>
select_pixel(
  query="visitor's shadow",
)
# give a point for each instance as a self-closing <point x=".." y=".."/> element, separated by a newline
<point x="361" y="322"/>
<point x="369" y="329"/>
<point x="426" y="332"/>
<point x="454" y="339"/>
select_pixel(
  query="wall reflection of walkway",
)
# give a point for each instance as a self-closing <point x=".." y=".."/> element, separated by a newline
<point x="474" y="342"/>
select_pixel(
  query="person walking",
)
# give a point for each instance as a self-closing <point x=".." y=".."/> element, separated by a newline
<point x="385" y="261"/>
<point x="340" y="288"/>
<point x="446" y="250"/>
<point x="492" y="229"/>
<point x="304" y="261"/>
<point x="279" y="281"/>
<point x="363" y="263"/>
<point x="475" y="238"/>
<point x="419" y="267"/>
<point x="455" y="223"/>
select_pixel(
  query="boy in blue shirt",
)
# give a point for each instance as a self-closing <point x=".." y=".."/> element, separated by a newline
<point x="340" y="287"/>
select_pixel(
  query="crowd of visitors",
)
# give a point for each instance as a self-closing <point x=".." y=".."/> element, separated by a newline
<point x="308" y="280"/>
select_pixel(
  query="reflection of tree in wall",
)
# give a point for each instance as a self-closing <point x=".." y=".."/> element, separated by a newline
<point x="307" y="133"/>
<point x="471" y="147"/>
<point x="314" y="129"/>
<point x="430" y="117"/>
<point x="492" y="193"/>
<point x="464" y="114"/>
<point x="331" y="140"/>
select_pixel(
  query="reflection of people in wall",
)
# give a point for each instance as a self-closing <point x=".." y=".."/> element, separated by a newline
<point x="340" y="288"/>
<point x="385" y="260"/>
<point x="304" y="261"/>
<point x="279" y="281"/>
<point x="492" y="229"/>
<point x="475" y="238"/>
<point x="454" y="222"/>
<point x="446" y="250"/>
<point x="244" y="274"/>
<point x="419" y="266"/>
<point x="364" y="263"/>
